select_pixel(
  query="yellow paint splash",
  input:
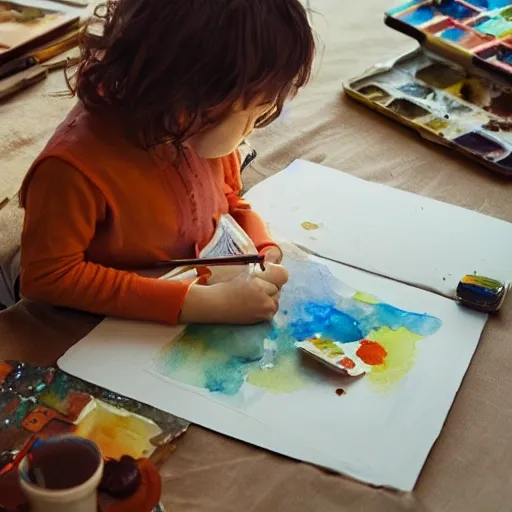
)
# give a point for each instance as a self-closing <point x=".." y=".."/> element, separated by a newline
<point x="286" y="377"/>
<point x="118" y="432"/>
<point x="310" y="226"/>
<point x="401" y="348"/>
<point x="366" y="298"/>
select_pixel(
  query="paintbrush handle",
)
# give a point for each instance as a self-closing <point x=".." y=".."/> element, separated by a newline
<point x="216" y="262"/>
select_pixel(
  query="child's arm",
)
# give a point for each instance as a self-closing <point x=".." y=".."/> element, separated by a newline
<point x="241" y="211"/>
<point x="62" y="208"/>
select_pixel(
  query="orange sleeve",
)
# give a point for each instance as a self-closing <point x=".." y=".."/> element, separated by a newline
<point x="62" y="209"/>
<point x="240" y="209"/>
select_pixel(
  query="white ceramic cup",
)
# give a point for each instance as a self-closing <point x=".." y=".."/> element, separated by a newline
<point x="82" y="498"/>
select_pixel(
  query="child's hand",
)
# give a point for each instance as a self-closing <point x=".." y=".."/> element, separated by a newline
<point x="247" y="299"/>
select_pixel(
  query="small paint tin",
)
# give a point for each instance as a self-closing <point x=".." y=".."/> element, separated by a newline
<point x="481" y="293"/>
<point x="340" y="357"/>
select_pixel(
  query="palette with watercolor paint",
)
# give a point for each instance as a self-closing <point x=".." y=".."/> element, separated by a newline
<point x="480" y="30"/>
<point x="344" y="358"/>
<point x="464" y="108"/>
<point x="45" y="402"/>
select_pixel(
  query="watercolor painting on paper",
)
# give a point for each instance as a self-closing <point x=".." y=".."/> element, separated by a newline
<point x="360" y="328"/>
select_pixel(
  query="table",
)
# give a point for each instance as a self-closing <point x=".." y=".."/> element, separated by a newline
<point x="469" y="466"/>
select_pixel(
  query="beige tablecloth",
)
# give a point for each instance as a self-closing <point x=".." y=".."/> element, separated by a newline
<point x="469" y="468"/>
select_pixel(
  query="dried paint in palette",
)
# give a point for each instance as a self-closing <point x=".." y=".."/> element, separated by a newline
<point x="47" y="402"/>
<point x="341" y="358"/>
<point x="440" y="75"/>
<point x="482" y="145"/>
<point x="408" y="109"/>
<point x="480" y="30"/>
<point x="444" y="102"/>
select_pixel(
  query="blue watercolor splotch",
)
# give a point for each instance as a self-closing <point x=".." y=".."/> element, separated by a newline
<point x="313" y="303"/>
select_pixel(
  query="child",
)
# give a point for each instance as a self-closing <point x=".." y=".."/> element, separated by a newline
<point x="146" y="163"/>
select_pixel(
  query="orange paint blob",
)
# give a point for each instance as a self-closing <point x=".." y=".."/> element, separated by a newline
<point x="347" y="363"/>
<point x="371" y="352"/>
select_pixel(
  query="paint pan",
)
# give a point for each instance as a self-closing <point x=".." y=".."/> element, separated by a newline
<point x="339" y="357"/>
<point x="476" y="91"/>
<point x="417" y="90"/>
<point x="407" y="109"/>
<point x="496" y="26"/>
<point x="440" y="76"/>
<point x="501" y="105"/>
<point x="457" y="10"/>
<point x="374" y="93"/>
<point x="437" y="125"/>
<point x="419" y="15"/>
<point x="469" y="112"/>
<point x="481" y="145"/>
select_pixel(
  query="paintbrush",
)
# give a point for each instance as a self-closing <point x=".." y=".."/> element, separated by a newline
<point x="245" y="259"/>
<point x="39" y="56"/>
<point x="19" y="457"/>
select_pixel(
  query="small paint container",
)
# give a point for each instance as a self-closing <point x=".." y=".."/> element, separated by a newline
<point x="62" y="474"/>
<point x="481" y="293"/>
<point x="340" y="357"/>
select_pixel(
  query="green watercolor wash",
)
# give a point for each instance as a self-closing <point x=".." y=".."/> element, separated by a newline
<point x="288" y="376"/>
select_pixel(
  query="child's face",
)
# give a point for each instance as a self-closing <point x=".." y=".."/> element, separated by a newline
<point x="224" y="137"/>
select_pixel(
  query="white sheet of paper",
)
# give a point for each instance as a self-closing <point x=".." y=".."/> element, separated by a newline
<point x="379" y="438"/>
<point x="382" y="229"/>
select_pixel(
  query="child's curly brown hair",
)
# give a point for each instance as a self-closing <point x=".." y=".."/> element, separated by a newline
<point x="168" y="68"/>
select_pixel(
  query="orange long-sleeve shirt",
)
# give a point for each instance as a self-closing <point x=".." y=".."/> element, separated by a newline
<point x="98" y="206"/>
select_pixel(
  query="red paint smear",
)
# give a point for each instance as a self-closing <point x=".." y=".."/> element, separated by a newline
<point x="347" y="363"/>
<point x="371" y="352"/>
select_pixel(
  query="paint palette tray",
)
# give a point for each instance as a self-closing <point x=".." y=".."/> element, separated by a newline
<point x="477" y="30"/>
<point x="459" y="107"/>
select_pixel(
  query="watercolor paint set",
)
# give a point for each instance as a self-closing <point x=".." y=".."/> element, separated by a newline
<point x="480" y="30"/>
<point x="445" y="103"/>
<point x="446" y="99"/>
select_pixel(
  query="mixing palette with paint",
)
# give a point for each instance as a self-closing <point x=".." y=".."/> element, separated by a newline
<point x="479" y="29"/>
<point x="445" y="103"/>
